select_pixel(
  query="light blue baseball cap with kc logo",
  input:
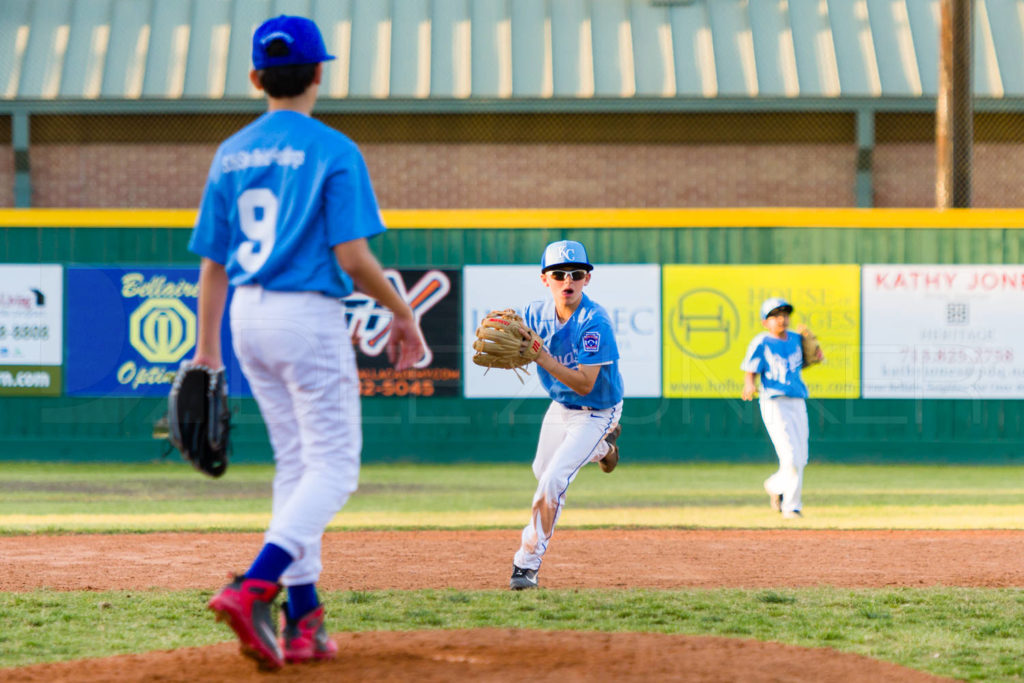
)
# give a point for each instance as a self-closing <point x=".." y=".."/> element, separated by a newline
<point x="565" y="253"/>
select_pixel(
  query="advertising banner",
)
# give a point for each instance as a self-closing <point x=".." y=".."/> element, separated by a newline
<point x="711" y="313"/>
<point x="130" y="328"/>
<point x="943" y="331"/>
<point x="31" y="329"/>
<point x="434" y="297"/>
<point x="630" y="294"/>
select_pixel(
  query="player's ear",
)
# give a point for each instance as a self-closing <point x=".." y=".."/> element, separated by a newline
<point x="318" y="74"/>
<point x="254" y="78"/>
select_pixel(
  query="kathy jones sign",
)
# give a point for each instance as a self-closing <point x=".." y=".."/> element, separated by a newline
<point x="943" y="331"/>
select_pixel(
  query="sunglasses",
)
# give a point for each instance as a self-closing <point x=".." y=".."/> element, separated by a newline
<point x="574" y="275"/>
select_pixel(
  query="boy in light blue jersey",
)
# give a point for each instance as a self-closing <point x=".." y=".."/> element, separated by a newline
<point x="284" y="219"/>
<point x="776" y="355"/>
<point x="579" y="368"/>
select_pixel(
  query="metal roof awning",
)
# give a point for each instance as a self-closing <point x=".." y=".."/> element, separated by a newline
<point x="507" y="50"/>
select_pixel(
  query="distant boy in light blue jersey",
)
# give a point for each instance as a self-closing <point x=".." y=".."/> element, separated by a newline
<point x="776" y="355"/>
<point x="579" y="368"/>
<point x="284" y="219"/>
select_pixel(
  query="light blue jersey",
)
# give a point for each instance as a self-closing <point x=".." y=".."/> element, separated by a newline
<point x="586" y="338"/>
<point x="280" y="194"/>
<point x="778" y="361"/>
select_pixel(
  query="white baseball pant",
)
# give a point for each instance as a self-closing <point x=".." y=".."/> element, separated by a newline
<point x="569" y="439"/>
<point x="785" y="418"/>
<point x="295" y="351"/>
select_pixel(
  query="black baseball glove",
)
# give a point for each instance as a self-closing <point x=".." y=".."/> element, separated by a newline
<point x="199" y="420"/>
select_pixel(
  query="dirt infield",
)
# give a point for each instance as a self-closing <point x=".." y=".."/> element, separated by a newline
<point x="472" y="560"/>
<point x="643" y="558"/>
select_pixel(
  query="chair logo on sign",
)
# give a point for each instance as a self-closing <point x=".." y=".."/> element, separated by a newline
<point x="703" y="323"/>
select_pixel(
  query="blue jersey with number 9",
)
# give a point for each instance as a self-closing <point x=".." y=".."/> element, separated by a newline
<point x="280" y="194"/>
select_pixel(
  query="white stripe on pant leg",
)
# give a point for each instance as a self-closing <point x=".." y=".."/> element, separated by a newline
<point x="583" y="436"/>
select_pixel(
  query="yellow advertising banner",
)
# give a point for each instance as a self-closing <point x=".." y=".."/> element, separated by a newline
<point x="713" y="312"/>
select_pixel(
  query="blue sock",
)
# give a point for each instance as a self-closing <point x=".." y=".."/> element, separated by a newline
<point x="270" y="563"/>
<point x="302" y="600"/>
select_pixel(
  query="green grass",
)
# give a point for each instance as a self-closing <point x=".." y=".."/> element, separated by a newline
<point x="970" y="634"/>
<point x="170" y="495"/>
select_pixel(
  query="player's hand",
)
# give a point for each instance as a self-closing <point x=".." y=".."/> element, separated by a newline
<point x="207" y="361"/>
<point x="405" y="343"/>
<point x="749" y="390"/>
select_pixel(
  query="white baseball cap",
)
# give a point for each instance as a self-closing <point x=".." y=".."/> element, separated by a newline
<point x="775" y="303"/>
<point x="565" y="253"/>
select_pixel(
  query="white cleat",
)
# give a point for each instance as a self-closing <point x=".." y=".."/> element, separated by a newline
<point x="774" y="499"/>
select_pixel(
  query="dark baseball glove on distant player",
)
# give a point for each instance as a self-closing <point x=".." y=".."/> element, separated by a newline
<point x="811" y="347"/>
<point x="199" y="420"/>
<point x="503" y="340"/>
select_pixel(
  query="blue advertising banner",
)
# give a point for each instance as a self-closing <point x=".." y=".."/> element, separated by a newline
<point x="128" y="329"/>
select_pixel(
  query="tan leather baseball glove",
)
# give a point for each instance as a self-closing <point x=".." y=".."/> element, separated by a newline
<point x="503" y="340"/>
<point x="811" y="347"/>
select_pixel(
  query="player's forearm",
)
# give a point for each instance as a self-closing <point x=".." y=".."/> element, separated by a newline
<point x="580" y="381"/>
<point x="749" y="385"/>
<point x="213" y="292"/>
<point x="356" y="259"/>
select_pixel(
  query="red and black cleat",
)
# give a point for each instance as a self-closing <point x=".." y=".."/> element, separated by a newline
<point x="245" y="605"/>
<point x="306" y="638"/>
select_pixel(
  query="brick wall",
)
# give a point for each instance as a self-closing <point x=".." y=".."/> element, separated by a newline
<point x="481" y="175"/>
<point x="611" y="175"/>
<point x="6" y="176"/>
<point x="905" y="175"/>
<point x="165" y="176"/>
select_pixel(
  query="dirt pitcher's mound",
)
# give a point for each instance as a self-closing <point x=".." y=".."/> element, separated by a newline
<point x="496" y="655"/>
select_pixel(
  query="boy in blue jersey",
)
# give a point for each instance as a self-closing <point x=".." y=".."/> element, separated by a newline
<point x="777" y="356"/>
<point x="284" y="219"/>
<point x="579" y="368"/>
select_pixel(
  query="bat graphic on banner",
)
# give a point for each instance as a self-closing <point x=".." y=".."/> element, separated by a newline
<point x="370" y="323"/>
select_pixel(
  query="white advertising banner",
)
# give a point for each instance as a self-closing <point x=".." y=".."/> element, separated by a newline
<point x="630" y="293"/>
<point x="31" y="314"/>
<point x="952" y="332"/>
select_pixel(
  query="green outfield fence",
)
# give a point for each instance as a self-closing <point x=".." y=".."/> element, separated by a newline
<point x="456" y="429"/>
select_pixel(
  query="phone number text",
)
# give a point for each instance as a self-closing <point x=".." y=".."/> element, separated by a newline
<point x="396" y="387"/>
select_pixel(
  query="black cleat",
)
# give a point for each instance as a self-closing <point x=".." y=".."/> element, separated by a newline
<point x="522" y="578"/>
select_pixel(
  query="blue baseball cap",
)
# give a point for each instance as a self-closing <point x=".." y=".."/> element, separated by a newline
<point x="565" y="253"/>
<point x="305" y="44"/>
<point x="774" y="304"/>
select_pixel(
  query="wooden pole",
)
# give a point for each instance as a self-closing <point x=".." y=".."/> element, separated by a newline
<point x="954" y="114"/>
